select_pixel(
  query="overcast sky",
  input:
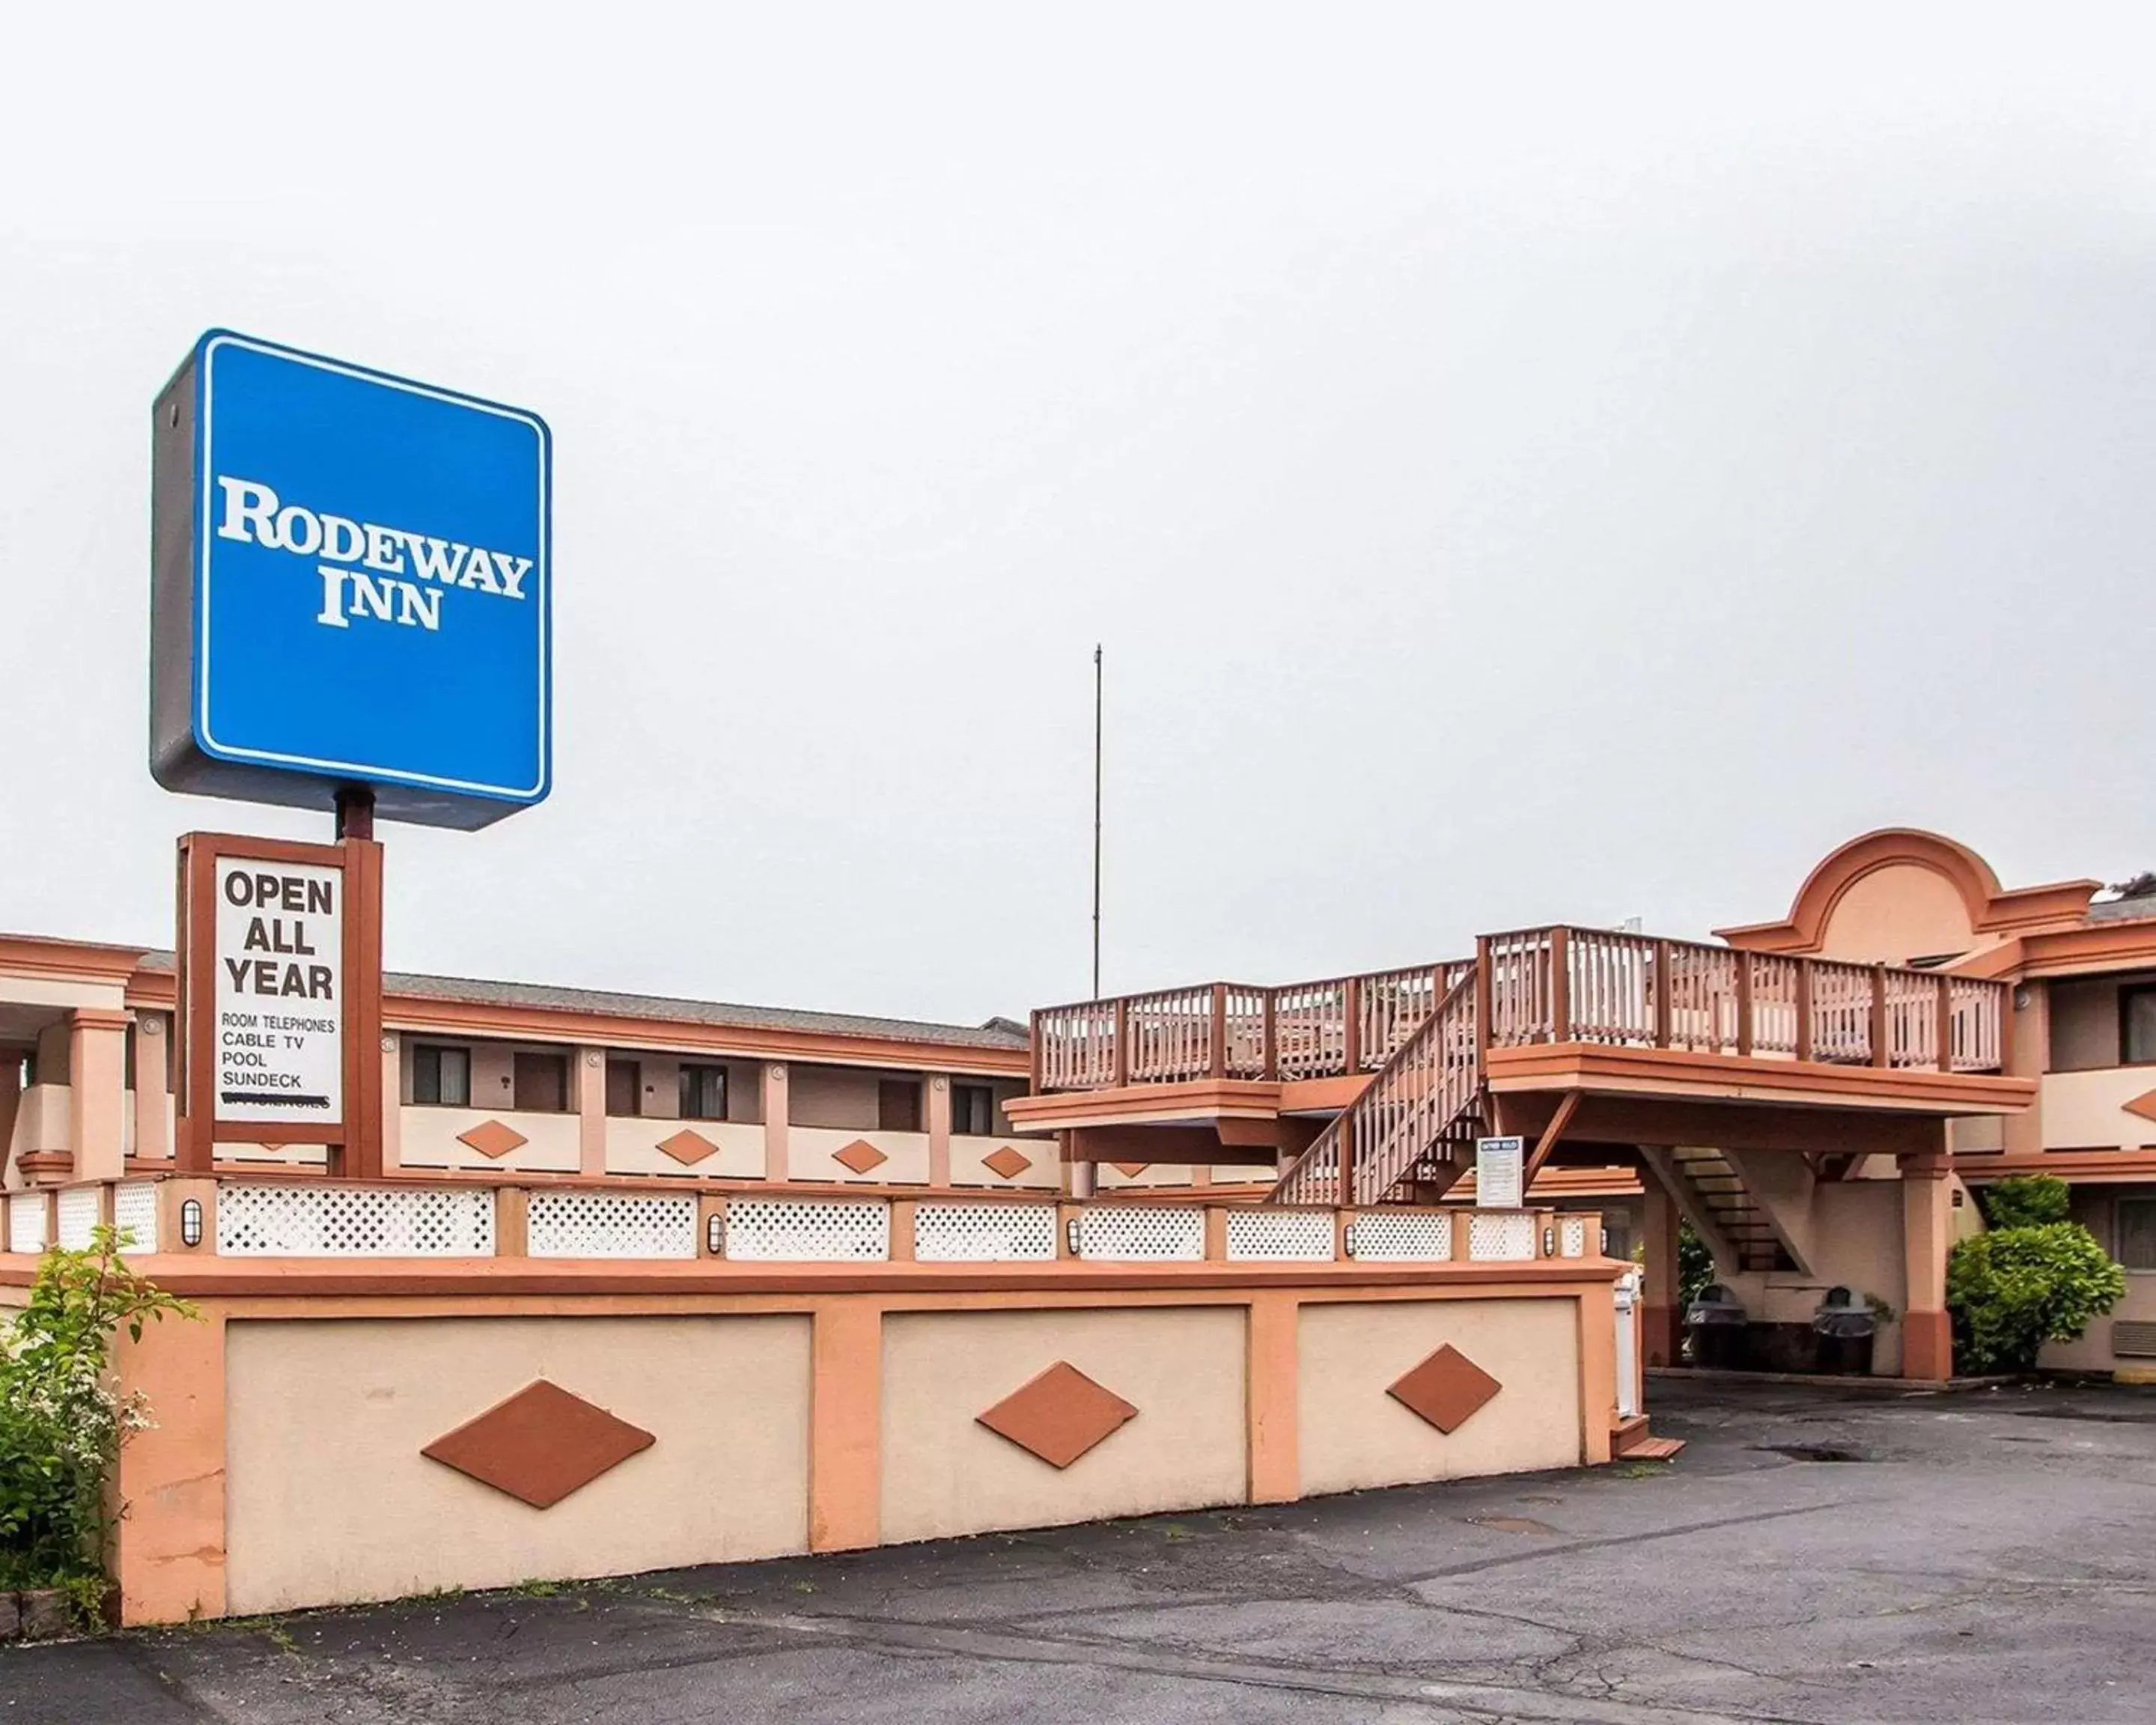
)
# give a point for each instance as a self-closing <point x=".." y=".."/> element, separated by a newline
<point x="1524" y="463"/>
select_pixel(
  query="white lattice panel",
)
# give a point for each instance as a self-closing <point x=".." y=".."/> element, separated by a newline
<point x="1177" y="1233"/>
<point x="1306" y="1235"/>
<point x="1572" y="1237"/>
<point x="345" y="1222"/>
<point x="79" y="1217"/>
<point x="610" y="1224"/>
<point x="79" y="1209"/>
<point x="1407" y="1237"/>
<point x="982" y="1233"/>
<point x="26" y="1222"/>
<point x="134" y="1215"/>
<point x="806" y="1231"/>
<point x="1502" y="1234"/>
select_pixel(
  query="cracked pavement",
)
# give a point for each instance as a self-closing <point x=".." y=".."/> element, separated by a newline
<point x="1978" y="1557"/>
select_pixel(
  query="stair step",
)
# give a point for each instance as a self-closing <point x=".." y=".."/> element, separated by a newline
<point x="1655" y="1449"/>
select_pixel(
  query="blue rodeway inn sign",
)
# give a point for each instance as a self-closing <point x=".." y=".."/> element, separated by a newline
<point x="351" y="586"/>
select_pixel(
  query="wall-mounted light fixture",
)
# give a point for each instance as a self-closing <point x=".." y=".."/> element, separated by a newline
<point x="1549" y="1242"/>
<point x="191" y="1222"/>
<point x="1070" y="1236"/>
<point x="714" y="1233"/>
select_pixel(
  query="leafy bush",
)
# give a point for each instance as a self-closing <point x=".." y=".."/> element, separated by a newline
<point x="61" y="1425"/>
<point x="1695" y="1265"/>
<point x="2015" y="1288"/>
<point x="2026" y="1201"/>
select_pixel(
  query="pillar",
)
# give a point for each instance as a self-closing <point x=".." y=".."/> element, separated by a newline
<point x="591" y="1110"/>
<point x="97" y="1087"/>
<point x="153" y="1141"/>
<point x="939" y="1131"/>
<point x="845" y="1416"/>
<point x="393" y="1103"/>
<point x="1658" y="1287"/>
<point x="774" y="1120"/>
<point x="168" y="1555"/>
<point x="1926" y="1237"/>
<point x="2028" y="1055"/>
<point x="1270" y="1382"/>
<point x="11" y="1099"/>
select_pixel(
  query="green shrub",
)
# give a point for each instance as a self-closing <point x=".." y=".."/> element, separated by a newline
<point x="1695" y="1265"/>
<point x="2013" y="1289"/>
<point x="61" y="1425"/>
<point x="2026" y="1201"/>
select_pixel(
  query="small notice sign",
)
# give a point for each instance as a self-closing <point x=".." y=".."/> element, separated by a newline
<point x="278" y="992"/>
<point x="1498" y="1164"/>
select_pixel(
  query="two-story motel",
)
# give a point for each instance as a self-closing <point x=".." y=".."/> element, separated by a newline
<point x="1210" y="1243"/>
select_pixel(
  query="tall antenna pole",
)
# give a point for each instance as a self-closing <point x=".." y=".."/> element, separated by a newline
<point x="1096" y="821"/>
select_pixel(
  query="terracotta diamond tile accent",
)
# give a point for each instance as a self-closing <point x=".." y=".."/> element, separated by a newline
<point x="491" y="1138"/>
<point x="540" y="1445"/>
<point x="687" y="1147"/>
<point x="1006" y="1162"/>
<point x="1129" y="1170"/>
<point x="1447" y="1389"/>
<point x="2144" y="1105"/>
<point x="1058" y="1416"/>
<point x="860" y="1156"/>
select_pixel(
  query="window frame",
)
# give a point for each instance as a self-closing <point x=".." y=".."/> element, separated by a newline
<point x="2129" y="992"/>
<point x="422" y="1051"/>
<point x="2118" y="1235"/>
<point x="634" y="1067"/>
<point x="987" y="1094"/>
<point x="693" y="1072"/>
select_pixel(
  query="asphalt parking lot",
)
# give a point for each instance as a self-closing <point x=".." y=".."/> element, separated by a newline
<point x="1813" y="1556"/>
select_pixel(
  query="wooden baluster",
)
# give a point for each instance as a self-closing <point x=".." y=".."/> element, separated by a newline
<point x="1033" y="1050"/>
<point x="1269" y="1058"/>
<point x="1120" y="1057"/>
<point x="1883" y="1051"/>
<point x="1804" y="992"/>
<point x="1483" y="1029"/>
<point x="1560" y="958"/>
<point x="1351" y="996"/>
<point x="1661" y="993"/>
<point x="1217" y="1061"/>
<point x="1944" y="1059"/>
<point x="1744" y="1034"/>
<point x="2002" y="1004"/>
<point x="1346" y="1193"/>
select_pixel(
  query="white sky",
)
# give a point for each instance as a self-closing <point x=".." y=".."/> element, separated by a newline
<point x="1525" y="463"/>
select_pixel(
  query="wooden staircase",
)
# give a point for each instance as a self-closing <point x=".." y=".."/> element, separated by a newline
<point x="1719" y="1193"/>
<point x="1404" y="1136"/>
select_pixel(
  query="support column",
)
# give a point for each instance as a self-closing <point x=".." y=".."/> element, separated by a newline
<point x="1926" y="1237"/>
<point x="591" y="1110"/>
<point x="774" y="1120"/>
<point x="2028" y="1053"/>
<point x="168" y="1554"/>
<point x="1271" y="1378"/>
<point x="1658" y="1287"/>
<point x="939" y="1130"/>
<point x="153" y="1138"/>
<point x="10" y="1101"/>
<point x="97" y="1082"/>
<point x="393" y="1103"/>
<point x="845" y="1417"/>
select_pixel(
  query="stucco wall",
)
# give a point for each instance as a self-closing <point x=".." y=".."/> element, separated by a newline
<point x="1353" y="1433"/>
<point x="329" y="1499"/>
<point x="945" y="1473"/>
<point x="1902" y="912"/>
<point x="2084" y="1024"/>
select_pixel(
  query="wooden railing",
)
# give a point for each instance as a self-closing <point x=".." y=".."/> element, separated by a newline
<point x="1594" y="985"/>
<point x="1422" y="1088"/>
<point x="1320" y="1029"/>
<point x="1559" y="984"/>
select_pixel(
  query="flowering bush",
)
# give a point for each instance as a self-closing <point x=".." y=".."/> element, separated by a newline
<point x="61" y="1423"/>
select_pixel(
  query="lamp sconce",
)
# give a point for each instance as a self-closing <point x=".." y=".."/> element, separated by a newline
<point x="191" y="1222"/>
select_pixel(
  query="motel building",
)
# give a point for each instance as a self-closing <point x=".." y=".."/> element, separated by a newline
<point x="637" y="1283"/>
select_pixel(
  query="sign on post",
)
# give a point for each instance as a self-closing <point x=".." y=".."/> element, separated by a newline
<point x="351" y="585"/>
<point x="1498" y="1166"/>
<point x="280" y="1020"/>
<point x="279" y="995"/>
